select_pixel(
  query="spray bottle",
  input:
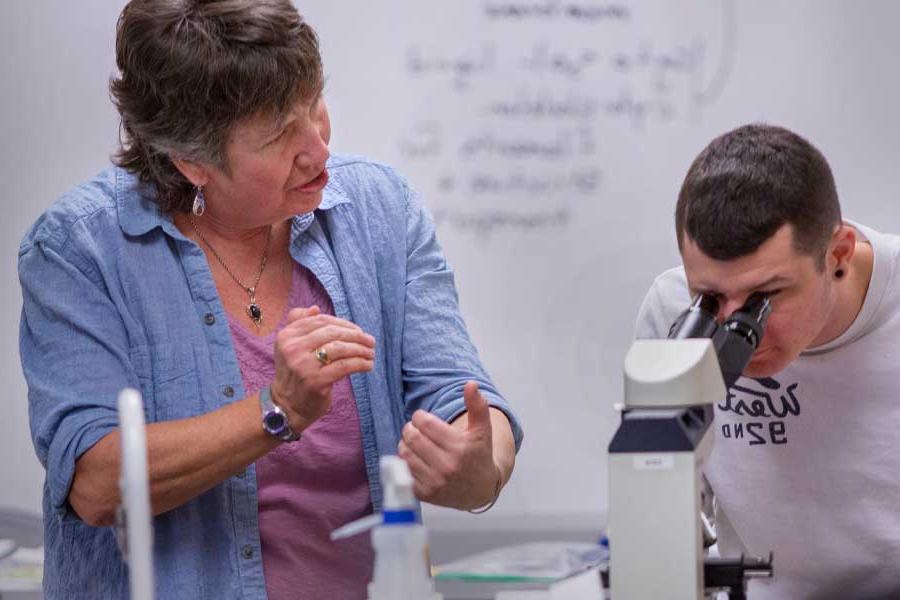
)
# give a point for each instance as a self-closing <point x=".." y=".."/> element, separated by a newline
<point x="399" y="540"/>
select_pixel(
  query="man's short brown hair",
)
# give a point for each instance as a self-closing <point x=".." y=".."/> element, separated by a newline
<point x="747" y="184"/>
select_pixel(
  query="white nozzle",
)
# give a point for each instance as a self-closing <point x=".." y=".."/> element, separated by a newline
<point x="356" y="527"/>
<point x="397" y="482"/>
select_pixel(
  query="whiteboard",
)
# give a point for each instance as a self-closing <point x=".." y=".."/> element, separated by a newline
<point x="548" y="138"/>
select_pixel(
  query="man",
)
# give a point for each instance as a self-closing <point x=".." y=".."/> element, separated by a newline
<point x="806" y="460"/>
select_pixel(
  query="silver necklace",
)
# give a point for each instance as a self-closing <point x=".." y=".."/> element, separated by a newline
<point x="253" y="310"/>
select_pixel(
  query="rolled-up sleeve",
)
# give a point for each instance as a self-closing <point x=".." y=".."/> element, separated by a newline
<point x="75" y="357"/>
<point x="438" y="355"/>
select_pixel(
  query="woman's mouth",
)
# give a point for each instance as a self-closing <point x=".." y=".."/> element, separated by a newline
<point x="314" y="185"/>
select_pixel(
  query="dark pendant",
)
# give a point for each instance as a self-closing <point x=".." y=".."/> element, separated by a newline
<point x="254" y="313"/>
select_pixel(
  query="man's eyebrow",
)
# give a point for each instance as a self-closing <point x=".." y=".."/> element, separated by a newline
<point x="774" y="280"/>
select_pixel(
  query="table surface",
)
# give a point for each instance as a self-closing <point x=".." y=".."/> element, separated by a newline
<point x="447" y="541"/>
<point x="26" y="530"/>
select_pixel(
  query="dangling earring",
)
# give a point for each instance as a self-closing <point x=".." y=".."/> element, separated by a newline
<point x="199" y="202"/>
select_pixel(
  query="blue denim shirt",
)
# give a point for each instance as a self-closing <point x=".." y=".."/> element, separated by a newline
<point x="115" y="296"/>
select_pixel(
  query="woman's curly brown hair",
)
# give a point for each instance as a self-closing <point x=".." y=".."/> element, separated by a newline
<point x="191" y="69"/>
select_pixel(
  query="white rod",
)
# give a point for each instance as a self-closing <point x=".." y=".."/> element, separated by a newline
<point x="133" y="483"/>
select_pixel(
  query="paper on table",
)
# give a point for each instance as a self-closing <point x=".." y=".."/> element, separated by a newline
<point x="22" y="570"/>
<point x="584" y="586"/>
<point x="7" y="547"/>
<point x="535" y="562"/>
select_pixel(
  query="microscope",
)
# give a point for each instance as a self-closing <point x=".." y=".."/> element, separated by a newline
<point x="656" y="529"/>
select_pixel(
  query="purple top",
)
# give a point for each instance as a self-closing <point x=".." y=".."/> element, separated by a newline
<point x="314" y="485"/>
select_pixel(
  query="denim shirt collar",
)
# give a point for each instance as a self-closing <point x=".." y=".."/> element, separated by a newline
<point x="139" y="214"/>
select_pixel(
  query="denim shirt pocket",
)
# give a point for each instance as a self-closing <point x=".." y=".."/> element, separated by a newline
<point x="169" y="381"/>
<point x="103" y="576"/>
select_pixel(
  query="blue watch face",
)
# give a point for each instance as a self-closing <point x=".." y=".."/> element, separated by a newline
<point x="275" y="422"/>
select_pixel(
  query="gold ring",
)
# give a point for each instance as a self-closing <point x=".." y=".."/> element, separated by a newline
<point x="321" y="355"/>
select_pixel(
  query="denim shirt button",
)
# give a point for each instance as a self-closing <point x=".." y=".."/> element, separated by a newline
<point x="247" y="551"/>
<point x="209" y="318"/>
<point x="228" y="391"/>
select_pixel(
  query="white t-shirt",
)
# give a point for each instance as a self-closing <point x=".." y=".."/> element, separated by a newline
<point x="807" y="463"/>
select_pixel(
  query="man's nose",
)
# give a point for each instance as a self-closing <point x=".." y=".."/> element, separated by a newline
<point x="727" y="307"/>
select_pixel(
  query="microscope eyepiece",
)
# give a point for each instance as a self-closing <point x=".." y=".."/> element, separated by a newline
<point x="698" y="320"/>
<point x="735" y="340"/>
<point x="739" y="336"/>
<point x="749" y="321"/>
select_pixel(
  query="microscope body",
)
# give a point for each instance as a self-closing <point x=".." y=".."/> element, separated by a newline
<point x="656" y="455"/>
<point x="655" y="469"/>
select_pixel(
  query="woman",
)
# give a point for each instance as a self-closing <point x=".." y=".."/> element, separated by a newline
<point x="287" y="315"/>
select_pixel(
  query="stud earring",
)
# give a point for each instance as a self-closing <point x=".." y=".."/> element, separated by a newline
<point x="199" y="206"/>
<point x="839" y="273"/>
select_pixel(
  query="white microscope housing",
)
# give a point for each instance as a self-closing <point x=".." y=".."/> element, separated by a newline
<point x="656" y="456"/>
<point x="655" y="469"/>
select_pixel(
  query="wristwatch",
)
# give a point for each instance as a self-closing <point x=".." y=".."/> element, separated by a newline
<point x="274" y="420"/>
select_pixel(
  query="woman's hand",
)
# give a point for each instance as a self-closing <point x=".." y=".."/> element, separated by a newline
<point x="454" y="465"/>
<point x="302" y="384"/>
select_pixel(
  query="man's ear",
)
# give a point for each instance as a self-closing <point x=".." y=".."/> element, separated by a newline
<point x="841" y="248"/>
<point x="194" y="172"/>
